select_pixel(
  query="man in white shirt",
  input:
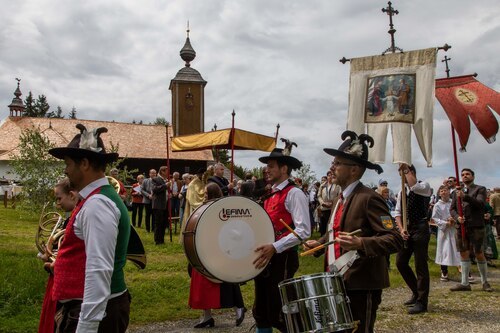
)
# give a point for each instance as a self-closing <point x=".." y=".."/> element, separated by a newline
<point x="288" y="204"/>
<point x="89" y="282"/>
<point x="417" y="236"/>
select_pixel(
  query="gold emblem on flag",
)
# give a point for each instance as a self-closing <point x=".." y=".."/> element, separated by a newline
<point x="465" y="96"/>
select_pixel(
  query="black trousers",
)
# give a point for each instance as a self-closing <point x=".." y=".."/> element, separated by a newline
<point x="115" y="320"/>
<point x="267" y="305"/>
<point x="137" y="210"/>
<point x="364" y="305"/>
<point x="417" y="245"/>
<point x="161" y="216"/>
<point x="149" y="217"/>
<point x="323" y="224"/>
<point x="176" y="205"/>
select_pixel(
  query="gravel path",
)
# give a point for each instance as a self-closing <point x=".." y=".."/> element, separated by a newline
<point x="460" y="312"/>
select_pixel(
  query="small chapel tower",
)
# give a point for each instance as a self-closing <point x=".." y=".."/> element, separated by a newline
<point x="188" y="103"/>
<point x="17" y="106"/>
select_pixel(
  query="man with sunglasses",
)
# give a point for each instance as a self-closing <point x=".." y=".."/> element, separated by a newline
<point x="359" y="207"/>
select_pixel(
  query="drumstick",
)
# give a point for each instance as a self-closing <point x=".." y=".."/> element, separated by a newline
<point x="354" y="233"/>
<point x="292" y="231"/>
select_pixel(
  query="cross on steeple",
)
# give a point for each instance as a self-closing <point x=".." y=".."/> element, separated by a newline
<point x="391" y="12"/>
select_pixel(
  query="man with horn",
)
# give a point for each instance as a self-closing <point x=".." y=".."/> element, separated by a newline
<point x="89" y="282"/>
<point x="287" y="205"/>
<point x="359" y="207"/>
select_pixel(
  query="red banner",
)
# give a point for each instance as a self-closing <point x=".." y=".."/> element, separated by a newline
<point x="463" y="97"/>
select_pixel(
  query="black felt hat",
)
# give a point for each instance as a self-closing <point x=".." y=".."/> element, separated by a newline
<point x="355" y="148"/>
<point x="282" y="155"/>
<point x="86" y="144"/>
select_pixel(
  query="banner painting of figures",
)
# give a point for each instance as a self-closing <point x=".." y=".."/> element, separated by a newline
<point x="390" y="98"/>
<point x="394" y="93"/>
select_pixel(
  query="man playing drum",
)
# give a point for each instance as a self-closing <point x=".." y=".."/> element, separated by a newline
<point x="359" y="207"/>
<point x="290" y="205"/>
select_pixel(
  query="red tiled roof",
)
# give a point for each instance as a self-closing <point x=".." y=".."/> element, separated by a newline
<point x="133" y="140"/>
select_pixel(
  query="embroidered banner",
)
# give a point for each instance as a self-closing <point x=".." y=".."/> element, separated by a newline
<point x="463" y="97"/>
<point x="395" y="89"/>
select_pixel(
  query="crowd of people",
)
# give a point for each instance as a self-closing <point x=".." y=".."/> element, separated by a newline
<point x="88" y="291"/>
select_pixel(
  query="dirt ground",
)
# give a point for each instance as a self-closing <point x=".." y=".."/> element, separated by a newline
<point x="464" y="312"/>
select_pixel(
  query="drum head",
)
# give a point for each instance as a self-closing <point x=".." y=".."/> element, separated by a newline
<point x="227" y="234"/>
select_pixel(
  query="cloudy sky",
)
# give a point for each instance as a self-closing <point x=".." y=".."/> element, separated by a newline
<point x="271" y="61"/>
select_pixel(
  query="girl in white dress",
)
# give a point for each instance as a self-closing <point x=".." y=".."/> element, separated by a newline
<point x="446" y="249"/>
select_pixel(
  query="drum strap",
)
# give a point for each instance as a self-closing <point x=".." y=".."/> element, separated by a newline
<point x="344" y="262"/>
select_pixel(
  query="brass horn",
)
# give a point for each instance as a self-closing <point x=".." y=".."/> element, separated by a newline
<point x="49" y="235"/>
<point x="113" y="182"/>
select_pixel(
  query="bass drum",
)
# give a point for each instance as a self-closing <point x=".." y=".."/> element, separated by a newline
<point x="221" y="236"/>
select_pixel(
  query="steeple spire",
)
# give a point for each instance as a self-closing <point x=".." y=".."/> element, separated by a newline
<point x="187" y="52"/>
<point x="17" y="106"/>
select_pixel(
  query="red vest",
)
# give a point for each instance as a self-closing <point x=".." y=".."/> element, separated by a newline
<point x="275" y="207"/>
<point x="69" y="269"/>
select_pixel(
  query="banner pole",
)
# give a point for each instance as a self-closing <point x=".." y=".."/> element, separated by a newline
<point x="232" y="145"/>
<point x="169" y="189"/>
<point x="455" y="161"/>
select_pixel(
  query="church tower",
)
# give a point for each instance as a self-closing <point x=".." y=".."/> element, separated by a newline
<point x="188" y="103"/>
<point x="17" y="106"/>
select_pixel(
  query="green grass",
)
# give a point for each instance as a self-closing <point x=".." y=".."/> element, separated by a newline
<point x="159" y="293"/>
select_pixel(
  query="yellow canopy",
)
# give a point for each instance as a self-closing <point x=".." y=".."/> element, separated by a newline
<point x="221" y="139"/>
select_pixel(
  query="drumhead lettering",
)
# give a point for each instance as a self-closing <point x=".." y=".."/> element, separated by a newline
<point x="227" y="213"/>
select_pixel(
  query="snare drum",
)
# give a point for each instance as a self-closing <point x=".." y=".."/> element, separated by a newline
<point x="316" y="303"/>
<point x="221" y="236"/>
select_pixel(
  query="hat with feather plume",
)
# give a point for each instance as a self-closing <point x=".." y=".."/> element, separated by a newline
<point x="355" y="148"/>
<point x="87" y="143"/>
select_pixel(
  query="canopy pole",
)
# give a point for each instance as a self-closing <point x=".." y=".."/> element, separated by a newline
<point x="455" y="161"/>
<point x="277" y="131"/>
<point x="232" y="145"/>
<point x="169" y="188"/>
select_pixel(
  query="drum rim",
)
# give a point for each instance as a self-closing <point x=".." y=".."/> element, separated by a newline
<point x="204" y="270"/>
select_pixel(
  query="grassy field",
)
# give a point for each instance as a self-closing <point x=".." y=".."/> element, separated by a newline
<point x="160" y="292"/>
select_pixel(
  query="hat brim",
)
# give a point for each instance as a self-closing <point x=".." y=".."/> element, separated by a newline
<point x="62" y="152"/>
<point x="291" y="161"/>
<point x="360" y="161"/>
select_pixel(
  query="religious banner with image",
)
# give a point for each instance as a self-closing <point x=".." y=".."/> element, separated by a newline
<point x="396" y="90"/>
<point x="390" y="98"/>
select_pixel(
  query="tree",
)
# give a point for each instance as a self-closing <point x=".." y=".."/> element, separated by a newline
<point x="305" y="173"/>
<point x="125" y="175"/>
<point x="161" y="121"/>
<point x="72" y="114"/>
<point x="30" y="106"/>
<point x="41" y="106"/>
<point x="57" y="114"/>
<point x="38" y="171"/>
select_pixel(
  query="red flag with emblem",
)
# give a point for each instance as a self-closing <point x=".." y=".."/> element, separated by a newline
<point x="463" y="97"/>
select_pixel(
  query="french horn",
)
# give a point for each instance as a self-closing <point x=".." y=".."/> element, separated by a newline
<point x="49" y="235"/>
<point x="114" y="183"/>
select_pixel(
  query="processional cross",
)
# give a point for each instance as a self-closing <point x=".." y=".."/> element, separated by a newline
<point x="391" y="12"/>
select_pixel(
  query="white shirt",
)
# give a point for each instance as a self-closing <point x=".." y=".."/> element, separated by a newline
<point x="345" y="194"/>
<point x="97" y="225"/>
<point x="420" y="188"/>
<point x="296" y="203"/>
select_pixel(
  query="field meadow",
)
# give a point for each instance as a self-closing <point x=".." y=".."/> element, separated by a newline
<point x="159" y="293"/>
